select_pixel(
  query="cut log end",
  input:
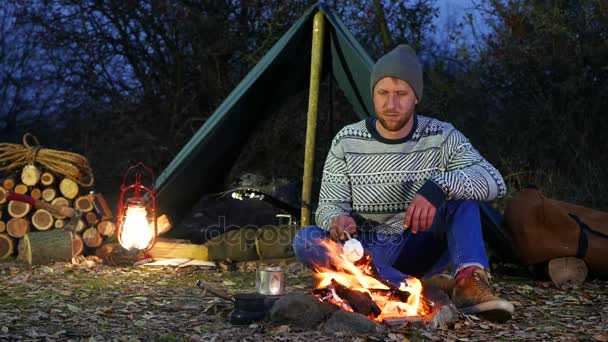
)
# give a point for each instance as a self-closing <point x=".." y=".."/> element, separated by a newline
<point x="59" y="223"/>
<point x="68" y="188"/>
<point x="106" y="228"/>
<point x="60" y="201"/>
<point x="92" y="238"/>
<point x="91" y="218"/>
<point x="83" y="203"/>
<point x="20" y="189"/>
<point x="17" y="227"/>
<point x="2" y="226"/>
<point x="47" y="178"/>
<point x="3" y="194"/>
<point x="567" y="270"/>
<point x="18" y="209"/>
<point x="7" y="246"/>
<point x="42" y="219"/>
<point x="49" y="194"/>
<point x="9" y="183"/>
<point x="30" y="175"/>
<point x="77" y="244"/>
<point x="36" y="193"/>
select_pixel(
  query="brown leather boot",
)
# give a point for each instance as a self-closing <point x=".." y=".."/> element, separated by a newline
<point x="441" y="281"/>
<point x="474" y="295"/>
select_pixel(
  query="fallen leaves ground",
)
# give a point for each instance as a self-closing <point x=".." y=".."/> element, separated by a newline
<point x="93" y="302"/>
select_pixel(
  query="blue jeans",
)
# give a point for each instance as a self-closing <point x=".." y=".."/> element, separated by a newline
<point x="455" y="237"/>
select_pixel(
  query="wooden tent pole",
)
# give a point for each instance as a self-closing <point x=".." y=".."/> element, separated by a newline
<point x="316" y="64"/>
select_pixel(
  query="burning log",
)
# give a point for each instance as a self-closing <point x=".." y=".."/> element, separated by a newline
<point x="360" y="302"/>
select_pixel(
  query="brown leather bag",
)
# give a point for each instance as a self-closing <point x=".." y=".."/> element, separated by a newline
<point x="545" y="229"/>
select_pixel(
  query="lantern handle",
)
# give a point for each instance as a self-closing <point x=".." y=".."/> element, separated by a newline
<point x="138" y="174"/>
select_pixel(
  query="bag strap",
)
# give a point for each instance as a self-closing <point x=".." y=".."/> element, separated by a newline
<point x="583" y="240"/>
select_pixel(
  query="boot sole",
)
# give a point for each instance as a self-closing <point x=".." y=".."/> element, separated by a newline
<point x="496" y="310"/>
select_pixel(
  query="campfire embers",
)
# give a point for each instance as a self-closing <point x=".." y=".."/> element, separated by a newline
<point x="357" y="287"/>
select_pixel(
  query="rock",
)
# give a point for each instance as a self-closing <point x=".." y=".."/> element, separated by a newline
<point x="352" y="323"/>
<point x="301" y="310"/>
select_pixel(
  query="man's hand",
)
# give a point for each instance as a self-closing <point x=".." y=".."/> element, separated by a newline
<point x="419" y="214"/>
<point x="339" y="224"/>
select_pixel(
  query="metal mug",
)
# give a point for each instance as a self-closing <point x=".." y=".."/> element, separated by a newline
<point x="270" y="280"/>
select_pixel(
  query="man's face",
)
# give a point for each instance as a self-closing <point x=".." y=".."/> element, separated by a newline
<point x="394" y="102"/>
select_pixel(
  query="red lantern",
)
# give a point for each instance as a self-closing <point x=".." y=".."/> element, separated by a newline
<point x="136" y="219"/>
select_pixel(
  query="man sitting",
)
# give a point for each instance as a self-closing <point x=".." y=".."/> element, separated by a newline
<point x="419" y="180"/>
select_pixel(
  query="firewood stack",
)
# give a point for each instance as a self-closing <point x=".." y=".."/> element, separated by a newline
<point x="55" y="177"/>
<point x="17" y="219"/>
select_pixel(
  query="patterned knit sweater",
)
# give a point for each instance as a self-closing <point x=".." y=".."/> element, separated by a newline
<point x="377" y="177"/>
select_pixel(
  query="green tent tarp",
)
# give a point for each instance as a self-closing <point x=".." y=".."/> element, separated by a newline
<point x="284" y="71"/>
<point x="201" y="165"/>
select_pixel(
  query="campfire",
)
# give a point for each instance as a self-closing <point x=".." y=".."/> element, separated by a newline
<point x="356" y="287"/>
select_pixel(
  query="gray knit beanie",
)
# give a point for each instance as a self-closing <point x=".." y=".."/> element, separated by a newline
<point x="402" y="63"/>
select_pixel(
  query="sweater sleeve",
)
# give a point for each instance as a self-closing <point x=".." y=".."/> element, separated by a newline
<point x="335" y="194"/>
<point x="467" y="174"/>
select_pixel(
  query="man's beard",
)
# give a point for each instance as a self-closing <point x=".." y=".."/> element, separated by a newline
<point x="394" y="126"/>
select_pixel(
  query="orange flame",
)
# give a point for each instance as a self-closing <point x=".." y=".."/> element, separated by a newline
<point x="355" y="278"/>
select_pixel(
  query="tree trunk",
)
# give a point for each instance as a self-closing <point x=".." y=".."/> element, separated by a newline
<point x="46" y="247"/>
<point x="18" y="209"/>
<point x="387" y="41"/>
<point x="6" y="246"/>
<point x="42" y="219"/>
<point x="17" y="227"/>
<point x="68" y="188"/>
